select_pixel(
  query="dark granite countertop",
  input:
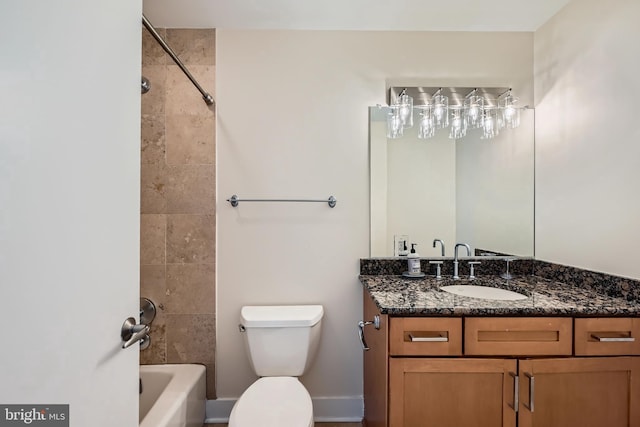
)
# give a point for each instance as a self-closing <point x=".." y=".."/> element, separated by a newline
<point x="399" y="296"/>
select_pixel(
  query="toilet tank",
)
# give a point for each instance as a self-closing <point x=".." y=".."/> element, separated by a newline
<point x="281" y="340"/>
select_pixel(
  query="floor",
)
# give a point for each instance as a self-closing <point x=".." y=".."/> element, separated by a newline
<point x="316" y="425"/>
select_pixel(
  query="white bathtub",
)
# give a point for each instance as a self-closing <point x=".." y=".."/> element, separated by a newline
<point x="172" y="395"/>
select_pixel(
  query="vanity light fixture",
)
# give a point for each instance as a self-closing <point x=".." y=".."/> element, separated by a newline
<point x="427" y="124"/>
<point x="433" y="115"/>
<point x="441" y="110"/>
<point x="488" y="109"/>
<point x="490" y="123"/>
<point x="395" y="129"/>
<point x="458" y="123"/>
<point x="405" y="109"/>
<point x="510" y="111"/>
<point x="474" y="106"/>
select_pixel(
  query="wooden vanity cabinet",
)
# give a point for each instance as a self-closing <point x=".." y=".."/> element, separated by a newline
<point x="417" y="372"/>
<point x="437" y="392"/>
<point x="376" y="367"/>
<point x="579" y="392"/>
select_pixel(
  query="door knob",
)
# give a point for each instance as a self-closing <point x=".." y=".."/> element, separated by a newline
<point x="132" y="333"/>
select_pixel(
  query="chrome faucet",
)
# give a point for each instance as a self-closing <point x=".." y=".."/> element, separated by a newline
<point x="441" y="245"/>
<point x="455" y="258"/>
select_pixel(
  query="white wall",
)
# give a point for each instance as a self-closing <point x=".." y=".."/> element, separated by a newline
<point x="292" y="122"/>
<point x="587" y="137"/>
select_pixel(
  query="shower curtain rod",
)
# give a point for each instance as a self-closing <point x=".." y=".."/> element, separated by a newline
<point x="207" y="98"/>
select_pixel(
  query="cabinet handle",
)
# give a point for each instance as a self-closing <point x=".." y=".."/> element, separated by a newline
<point x="362" y="324"/>
<point x="601" y="338"/>
<point x="531" y="391"/>
<point x="516" y="391"/>
<point x="440" y="337"/>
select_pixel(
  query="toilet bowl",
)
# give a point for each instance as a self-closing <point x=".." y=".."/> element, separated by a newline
<point x="273" y="402"/>
<point x="281" y="342"/>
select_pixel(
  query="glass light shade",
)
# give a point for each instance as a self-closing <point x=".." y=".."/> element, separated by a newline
<point x="426" y="128"/>
<point x="458" y="124"/>
<point x="441" y="111"/>
<point x="405" y="104"/>
<point x="394" y="123"/>
<point x="510" y="112"/>
<point x="427" y="123"/>
<point x="474" y="107"/>
<point x="500" y="118"/>
<point x="490" y="123"/>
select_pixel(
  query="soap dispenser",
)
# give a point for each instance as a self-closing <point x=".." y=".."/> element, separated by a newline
<point x="413" y="261"/>
<point x="403" y="248"/>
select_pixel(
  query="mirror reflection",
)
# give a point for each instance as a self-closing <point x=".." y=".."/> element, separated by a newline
<point x="471" y="190"/>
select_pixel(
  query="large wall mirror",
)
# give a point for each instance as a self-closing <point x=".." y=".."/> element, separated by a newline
<point x="469" y="190"/>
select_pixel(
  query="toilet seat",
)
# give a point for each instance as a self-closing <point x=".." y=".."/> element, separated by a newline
<point x="273" y="402"/>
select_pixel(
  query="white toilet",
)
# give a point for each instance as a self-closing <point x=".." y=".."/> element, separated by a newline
<point x="282" y="342"/>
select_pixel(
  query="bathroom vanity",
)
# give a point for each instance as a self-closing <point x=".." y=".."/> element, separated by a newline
<point x="564" y="356"/>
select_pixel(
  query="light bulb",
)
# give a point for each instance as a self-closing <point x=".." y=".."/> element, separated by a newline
<point x="427" y="128"/>
<point x="438" y="111"/>
<point x="510" y="112"/>
<point x="441" y="111"/>
<point x="490" y="127"/>
<point x="488" y="124"/>
<point x="474" y="111"/>
<point x="474" y="106"/>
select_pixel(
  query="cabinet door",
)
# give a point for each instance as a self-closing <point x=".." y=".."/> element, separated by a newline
<point x="426" y="392"/>
<point x="580" y="392"/>
<point x="375" y="366"/>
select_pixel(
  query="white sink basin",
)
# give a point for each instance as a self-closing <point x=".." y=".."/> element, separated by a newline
<point x="484" y="292"/>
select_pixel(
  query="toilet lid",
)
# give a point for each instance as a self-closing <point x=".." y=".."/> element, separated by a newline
<point x="273" y="402"/>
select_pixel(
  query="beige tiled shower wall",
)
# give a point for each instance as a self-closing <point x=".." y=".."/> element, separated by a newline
<point x="177" y="224"/>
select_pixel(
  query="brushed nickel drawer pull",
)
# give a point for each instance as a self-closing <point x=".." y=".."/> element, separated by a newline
<point x="437" y="337"/>
<point x="516" y="391"/>
<point x="531" y="391"/>
<point x="601" y="338"/>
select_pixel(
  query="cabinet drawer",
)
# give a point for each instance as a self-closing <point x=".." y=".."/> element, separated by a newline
<point x="518" y="336"/>
<point x="425" y="336"/>
<point x="607" y="336"/>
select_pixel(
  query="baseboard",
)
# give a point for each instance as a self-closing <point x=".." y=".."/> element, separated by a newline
<point x="345" y="409"/>
<point x="218" y="411"/>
